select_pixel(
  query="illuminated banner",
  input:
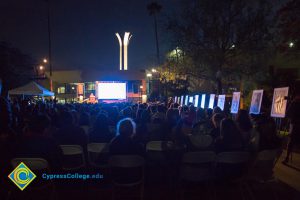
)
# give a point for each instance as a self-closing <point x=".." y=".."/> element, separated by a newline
<point x="181" y="100"/>
<point x="235" y="104"/>
<point x="196" y="100"/>
<point x="186" y="101"/>
<point x="202" y="100"/>
<point x="257" y="96"/>
<point x="221" y="101"/>
<point x="80" y="87"/>
<point x="279" y="102"/>
<point x="211" y="101"/>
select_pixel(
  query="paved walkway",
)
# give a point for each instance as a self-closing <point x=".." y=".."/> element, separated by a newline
<point x="290" y="173"/>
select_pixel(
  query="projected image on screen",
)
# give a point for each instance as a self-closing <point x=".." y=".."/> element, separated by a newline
<point x="109" y="90"/>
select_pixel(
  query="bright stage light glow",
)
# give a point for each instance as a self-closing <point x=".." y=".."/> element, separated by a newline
<point x="196" y="100"/>
<point x="203" y="100"/>
<point x="109" y="90"/>
<point x="211" y="101"/>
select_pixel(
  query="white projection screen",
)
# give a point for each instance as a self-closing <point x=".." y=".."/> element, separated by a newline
<point x="111" y="90"/>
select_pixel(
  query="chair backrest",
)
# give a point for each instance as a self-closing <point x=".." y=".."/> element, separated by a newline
<point x="73" y="157"/>
<point x="197" y="166"/>
<point x="233" y="157"/>
<point x="32" y="163"/>
<point x="159" y="145"/>
<point x="98" y="147"/>
<point x="199" y="157"/>
<point x="268" y="155"/>
<point x="201" y="141"/>
<point x="126" y="161"/>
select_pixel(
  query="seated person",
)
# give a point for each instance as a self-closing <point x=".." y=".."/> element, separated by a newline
<point x="123" y="143"/>
<point x="35" y="144"/>
<point x="100" y="132"/>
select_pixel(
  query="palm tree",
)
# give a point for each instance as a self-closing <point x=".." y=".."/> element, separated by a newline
<point x="153" y="9"/>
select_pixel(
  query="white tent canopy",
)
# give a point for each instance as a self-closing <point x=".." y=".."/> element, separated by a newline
<point x="31" y="88"/>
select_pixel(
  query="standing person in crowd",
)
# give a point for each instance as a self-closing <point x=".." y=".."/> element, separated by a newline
<point x="84" y="121"/>
<point x="216" y="119"/>
<point x="230" y="137"/>
<point x="294" y="117"/>
<point x="123" y="143"/>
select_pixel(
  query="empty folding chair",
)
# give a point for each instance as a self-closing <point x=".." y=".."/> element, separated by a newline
<point x="98" y="154"/>
<point x="73" y="157"/>
<point x="127" y="171"/>
<point x="197" y="167"/>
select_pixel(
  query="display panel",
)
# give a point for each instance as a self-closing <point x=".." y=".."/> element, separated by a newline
<point x="111" y="90"/>
<point x="211" y="101"/>
<point x="181" y="100"/>
<point x="279" y="102"/>
<point x="186" y="101"/>
<point x="203" y="100"/>
<point x="235" y="104"/>
<point x="221" y="101"/>
<point x="257" y="96"/>
<point x="196" y="100"/>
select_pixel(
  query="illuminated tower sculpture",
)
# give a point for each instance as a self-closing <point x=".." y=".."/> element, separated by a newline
<point x="126" y="39"/>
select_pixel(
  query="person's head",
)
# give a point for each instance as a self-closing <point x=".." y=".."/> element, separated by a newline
<point x="153" y="109"/>
<point x="243" y="120"/>
<point x="217" y="118"/>
<point x="66" y="118"/>
<point x="217" y="109"/>
<point x="5" y="114"/>
<point x="200" y="114"/>
<point x="228" y="129"/>
<point x="126" y="127"/>
<point x="84" y="119"/>
<point x="161" y="108"/>
<point x="208" y="113"/>
<point x="38" y="123"/>
<point x="145" y="118"/>
<point x="101" y="122"/>
<point x="127" y="112"/>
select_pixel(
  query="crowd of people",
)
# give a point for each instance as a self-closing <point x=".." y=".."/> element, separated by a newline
<point x="37" y="130"/>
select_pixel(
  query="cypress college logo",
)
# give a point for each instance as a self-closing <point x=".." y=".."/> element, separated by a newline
<point x="22" y="176"/>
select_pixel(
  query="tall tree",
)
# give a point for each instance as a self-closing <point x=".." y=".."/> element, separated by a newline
<point x="226" y="41"/>
<point x="16" y="68"/>
<point x="153" y="9"/>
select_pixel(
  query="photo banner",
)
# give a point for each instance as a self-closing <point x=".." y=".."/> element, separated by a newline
<point x="256" y="100"/>
<point x="279" y="102"/>
<point x="211" y="101"/>
<point x="221" y="101"/>
<point x="235" y="104"/>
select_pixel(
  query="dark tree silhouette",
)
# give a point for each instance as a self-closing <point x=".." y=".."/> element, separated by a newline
<point x="16" y="68"/>
<point x="153" y="9"/>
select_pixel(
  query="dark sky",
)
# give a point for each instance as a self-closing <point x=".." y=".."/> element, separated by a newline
<point x="83" y="31"/>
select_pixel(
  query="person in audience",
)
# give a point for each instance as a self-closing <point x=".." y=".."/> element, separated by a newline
<point x="142" y="130"/>
<point x="216" y="119"/>
<point x="294" y="117"/>
<point x="267" y="136"/>
<point x="160" y="114"/>
<point x="7" y="144"/>
<point x="84" y="121"/>
<point x="69" y="133"/>
<point x="244" y="124"/>
<point x="230" y="137"/>
<point x="100" y="132"/>
<point x="36" y="144"/>
<point x="123" y="143"/>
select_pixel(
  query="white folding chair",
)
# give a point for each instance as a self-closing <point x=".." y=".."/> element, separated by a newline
<point x="98" y="154"/>
<point x="73" y="157"/>
<point x="127" y="171"/>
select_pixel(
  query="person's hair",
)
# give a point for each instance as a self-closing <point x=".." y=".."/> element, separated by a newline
<point x="243" y="120"/>
<point x="66" y="118"/>
<point x="200" y="113"/>
<point x="38" y="123"/>
<point x="229" y="130"/>
<point x="217" y="109"/>
<point x="84" y="119"/>
<point x="126" y="127"/>
<point x="217" y="118"/>
<point x="101" y="123"/>
<point x="127" y="112"/>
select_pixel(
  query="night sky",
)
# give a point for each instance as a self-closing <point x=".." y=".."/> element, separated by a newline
<point x="83" y="31"/>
